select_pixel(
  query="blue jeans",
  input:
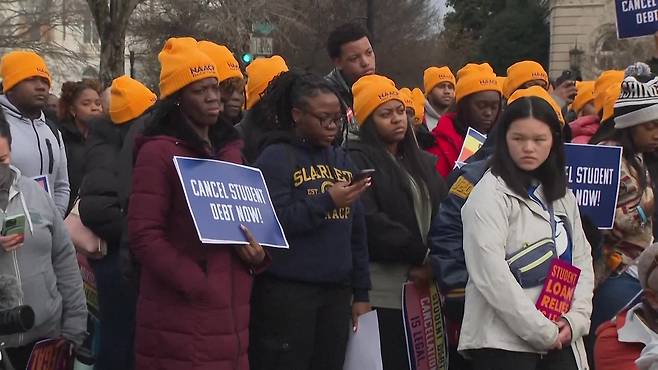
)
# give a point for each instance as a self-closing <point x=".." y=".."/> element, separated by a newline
<point x="117" y="301"/>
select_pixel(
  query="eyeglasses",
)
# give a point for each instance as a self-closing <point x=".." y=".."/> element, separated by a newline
<point x="325" y="122"/>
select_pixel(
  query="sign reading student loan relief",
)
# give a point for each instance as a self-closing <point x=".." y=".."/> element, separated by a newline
<point x="557" y="295"/>
<point x="593" y="176"/>
<point x="636" y="18"/>
<point x="222" y="196"/>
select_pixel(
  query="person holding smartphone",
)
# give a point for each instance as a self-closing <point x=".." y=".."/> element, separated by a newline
<point x="37" y="251"/>
<point x="306" y="301"/>
<point x="400" y="204"/>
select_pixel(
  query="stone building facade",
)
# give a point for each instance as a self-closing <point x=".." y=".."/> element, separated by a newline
<point x="589" y="25"/>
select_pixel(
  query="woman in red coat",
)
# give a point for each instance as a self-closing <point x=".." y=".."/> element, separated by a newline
<point x="478" y="98"/>
<point x="193" y="307"/>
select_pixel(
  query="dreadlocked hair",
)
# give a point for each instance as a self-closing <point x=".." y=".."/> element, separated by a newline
<point x="289" y="90"/>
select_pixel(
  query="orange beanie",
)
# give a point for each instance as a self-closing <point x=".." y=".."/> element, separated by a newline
<point x="601" y="85"/>
<point x="419" y="104"/>
<point x="182" y="63"/>
<point x="227" y="65"/>
<point x="610" y="98"/>
<point x="260" y="73"/>
<point x="129" y="99"/>
<point x="474" y="78"/>
<point x="370" y="92"/>
<point x="405" y="93"/>
<point x="435" y="75"/>
<point x="585" y="95"/>
<point x="521" y="73"/>
<point x="539" y="92"/>
<point x="17" y="66"/>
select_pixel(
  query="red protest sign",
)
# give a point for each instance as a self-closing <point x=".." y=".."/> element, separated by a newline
<point x="557" y="295"/>
<point x="50" y="354"/>
<point x="424" y="327"/>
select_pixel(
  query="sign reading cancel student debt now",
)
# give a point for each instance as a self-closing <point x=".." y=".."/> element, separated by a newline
<point x="593" y="176"/>
<point x="222" y="196"/>
<point x="636" y="18"/>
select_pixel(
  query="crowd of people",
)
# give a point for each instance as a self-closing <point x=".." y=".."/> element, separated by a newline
<point x="103" y="156"/>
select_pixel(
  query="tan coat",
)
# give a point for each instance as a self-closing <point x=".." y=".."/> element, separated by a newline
<point x="499" y="314"/>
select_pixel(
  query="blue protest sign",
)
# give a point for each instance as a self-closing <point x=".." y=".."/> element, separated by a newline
<point x="593" y="176"/>
<point x="222" y="196"/>
<point x="636" y="18"/>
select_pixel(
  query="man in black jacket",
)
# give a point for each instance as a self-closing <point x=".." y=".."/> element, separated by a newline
<point x="103" y="209"/>
<point x="353" y="56"/>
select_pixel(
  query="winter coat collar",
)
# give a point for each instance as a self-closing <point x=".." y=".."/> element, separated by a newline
<point x="634" y="330"/>
<point x="531" y="204"/>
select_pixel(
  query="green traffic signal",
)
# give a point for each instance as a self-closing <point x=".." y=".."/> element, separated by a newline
<point x="247" y="58"/>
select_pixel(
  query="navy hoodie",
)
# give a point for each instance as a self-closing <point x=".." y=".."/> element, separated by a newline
<point x="327" y="245"/>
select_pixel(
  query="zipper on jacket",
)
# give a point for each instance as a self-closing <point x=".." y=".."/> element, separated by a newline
<point x="38" y="146"/>
<point x="528" y="249"/>
<point x="538" y="262"/>
<point x="51" y="160"/>
<point x="14" y="260"/>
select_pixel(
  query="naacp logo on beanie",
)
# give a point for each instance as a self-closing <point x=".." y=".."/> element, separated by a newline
<point x="181" y="63"/>
<point x="637" y="103"/>
<point x="205" y="69"/>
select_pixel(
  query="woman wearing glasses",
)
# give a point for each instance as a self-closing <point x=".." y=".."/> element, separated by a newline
<point x="301" y="304"/>
<point x="399" y="206"/>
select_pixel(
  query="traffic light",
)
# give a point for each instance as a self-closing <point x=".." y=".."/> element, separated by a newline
<point x="247" y="58"/>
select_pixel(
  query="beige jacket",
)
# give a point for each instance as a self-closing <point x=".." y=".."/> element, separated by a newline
<point x="499" y="313"/>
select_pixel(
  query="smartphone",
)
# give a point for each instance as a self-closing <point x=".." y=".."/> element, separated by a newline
<point x="362" y="175"/>
<point x="14" y="225"/>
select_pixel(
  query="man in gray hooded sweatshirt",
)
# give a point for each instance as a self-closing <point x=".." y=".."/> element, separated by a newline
<point x="38" y="147"/>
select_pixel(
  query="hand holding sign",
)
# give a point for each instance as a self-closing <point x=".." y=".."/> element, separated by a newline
<point x="253" y="253"/>
<point x="565" y="332"/>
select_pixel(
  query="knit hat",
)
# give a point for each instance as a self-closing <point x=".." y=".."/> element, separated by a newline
<point x="370" y="92"/>
<point x="474" y="78"/>
<point x="638" y="69"/>
<point x="473" y="67"/>
<point x="647" y="267"/>
<point x="227" y="65"/>
<point x="435" y="75"/>
<point x="602" y="84"/>
<point x="610" y="98"/>
<point x="585" y="95"/>
<point x="538" y="92"/>
<point x="521" y="73"/>
<point x="408" y="100"/>
<point x="637" y="103"/>
<point x="129" y="99"/>
<point x="182" y="63"/>
<point x="501" y="81"/>
<point x="419" y="104"/>
<point x="18" y="66"/>
<point x="260" y="73"/>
